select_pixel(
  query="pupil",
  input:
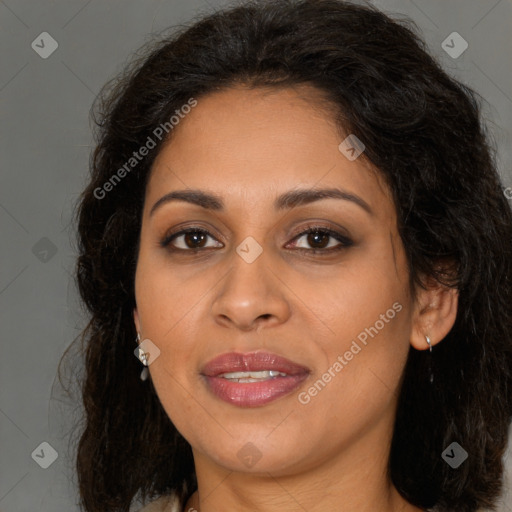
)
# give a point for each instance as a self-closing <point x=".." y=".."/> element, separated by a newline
<point x="193" y="238"/>
<point x="313" y="239"/>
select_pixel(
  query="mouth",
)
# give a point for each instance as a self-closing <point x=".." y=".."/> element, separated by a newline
<point x="253" y="379"/>
<point x="252" y="376"/>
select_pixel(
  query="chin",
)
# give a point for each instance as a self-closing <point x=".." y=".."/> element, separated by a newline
<point x="256" y="453"/>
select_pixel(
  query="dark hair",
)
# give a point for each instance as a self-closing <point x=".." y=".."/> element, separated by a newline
<point x="422" y="130"/>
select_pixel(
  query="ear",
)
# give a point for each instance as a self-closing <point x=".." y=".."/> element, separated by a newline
<point x="434" y="314"/>
<point x="136" y="320"/>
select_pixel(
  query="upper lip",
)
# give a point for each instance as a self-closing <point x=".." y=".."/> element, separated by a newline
<point x="251" y="361"/>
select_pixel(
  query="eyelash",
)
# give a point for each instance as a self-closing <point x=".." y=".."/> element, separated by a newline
<point x="345" y="242"/>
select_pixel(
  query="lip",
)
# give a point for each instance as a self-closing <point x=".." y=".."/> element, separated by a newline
<point x="252" y="394"/>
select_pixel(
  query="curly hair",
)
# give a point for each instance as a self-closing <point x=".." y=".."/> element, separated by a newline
<point x="422" y="130"/>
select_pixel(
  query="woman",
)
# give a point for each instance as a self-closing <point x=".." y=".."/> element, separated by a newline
<point x="295" y="228"/>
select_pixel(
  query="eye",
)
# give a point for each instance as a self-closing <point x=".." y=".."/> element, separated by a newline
<point x="322" y="240"/>
<point x="189" y="239"/>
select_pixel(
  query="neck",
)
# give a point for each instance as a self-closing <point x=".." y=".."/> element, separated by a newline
<point x="354" y="480"/>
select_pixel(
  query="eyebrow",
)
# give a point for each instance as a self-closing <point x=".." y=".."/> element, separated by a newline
<point x="288" y="200"/>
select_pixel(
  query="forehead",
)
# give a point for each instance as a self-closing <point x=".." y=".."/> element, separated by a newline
<point x="256" y="143"/>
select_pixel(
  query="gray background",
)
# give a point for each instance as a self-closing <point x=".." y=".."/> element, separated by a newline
<point x="45" y="142"/>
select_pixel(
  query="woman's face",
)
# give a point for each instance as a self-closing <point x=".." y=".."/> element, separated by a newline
<point x="334" y="304"/>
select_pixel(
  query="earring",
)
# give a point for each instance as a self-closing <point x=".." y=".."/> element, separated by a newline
<point x="142" y="358"/>
<point x="144" y="374"/>
<point x="430" y="360"/>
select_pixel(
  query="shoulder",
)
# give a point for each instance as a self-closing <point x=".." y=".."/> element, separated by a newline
<point x="163" y="504"/>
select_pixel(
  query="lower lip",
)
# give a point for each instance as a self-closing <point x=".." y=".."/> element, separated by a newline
<point x="253" y="394"/>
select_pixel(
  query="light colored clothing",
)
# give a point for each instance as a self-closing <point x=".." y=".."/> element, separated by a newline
<point x="172" y="504"/>
<point x="163" y="504"/>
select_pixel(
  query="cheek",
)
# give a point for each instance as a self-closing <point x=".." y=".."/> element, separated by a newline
<point x="366" y="308"/>
<point x="357" y="295"/>
<point x="358" y="387"/>
<point x="165" y="296"/>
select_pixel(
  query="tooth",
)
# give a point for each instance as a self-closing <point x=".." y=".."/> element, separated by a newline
<point x="252" y="376"/>
<point x="235" y="375"/>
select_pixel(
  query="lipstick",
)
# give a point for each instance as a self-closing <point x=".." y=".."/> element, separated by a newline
<point x="253" y="379"/>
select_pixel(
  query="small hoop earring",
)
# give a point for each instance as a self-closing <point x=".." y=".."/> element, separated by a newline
<point x="431" y="379"/>
<point x="144" y="374"/>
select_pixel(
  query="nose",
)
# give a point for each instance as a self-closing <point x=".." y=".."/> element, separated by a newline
<point x="251" y="296"/>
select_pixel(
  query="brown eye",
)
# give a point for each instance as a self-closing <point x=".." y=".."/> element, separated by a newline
<point x="319" y="239"/>
<point x="194" y="239"/>
<point x="188" y="240"/>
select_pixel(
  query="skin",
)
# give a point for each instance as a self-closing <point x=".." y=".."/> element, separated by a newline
<point x="248" y="147"/>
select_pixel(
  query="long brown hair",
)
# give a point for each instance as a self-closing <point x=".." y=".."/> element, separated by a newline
<point x="422" y="130"/>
